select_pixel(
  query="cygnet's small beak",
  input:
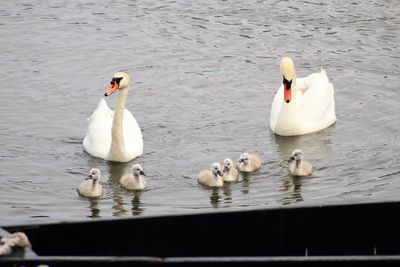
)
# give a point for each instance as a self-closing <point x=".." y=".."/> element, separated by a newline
<point x="111" y="89"/>
<point x="241" y="160"/>
<point x="291" y="159"/>
<point x="89" y="177"/>
<point x="142" y="173"/>
<point x="226" y="168"/>
<point x="219" y="173"/>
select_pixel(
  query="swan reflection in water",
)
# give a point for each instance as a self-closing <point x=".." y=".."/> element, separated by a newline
<point x="292" y="188"/>
<point x="116" y="170"/>
<point x="215" y="198"/>
<point x="221" y="195"/>
<point x="245" y="182"/>
<point x="227" y="191"/>
<point x="94" y="208"/>
<point x="317" y="146"/>
<point x="137" y="206"/>
<point x="120" y="204"/>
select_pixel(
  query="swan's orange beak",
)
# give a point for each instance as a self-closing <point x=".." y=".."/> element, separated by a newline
<point x="287" y="94"/>
<point x="111" y="89"/>
<point x="287" y="90"/>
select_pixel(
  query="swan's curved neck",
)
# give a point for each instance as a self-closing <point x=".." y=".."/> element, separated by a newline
<point x="298" y="161"/>
<point x="294" y="91"/>
<point x="94" y="184"/>
<point x="289" y="114"/>
<point x="117" y="149"/>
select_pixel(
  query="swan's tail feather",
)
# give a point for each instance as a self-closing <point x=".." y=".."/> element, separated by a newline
<point x="102" y="103"/>
<point x="323" y="74"/>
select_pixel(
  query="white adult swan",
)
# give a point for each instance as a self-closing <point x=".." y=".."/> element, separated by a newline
<point x="114" y="136"/>
<point x="302" y="105"/>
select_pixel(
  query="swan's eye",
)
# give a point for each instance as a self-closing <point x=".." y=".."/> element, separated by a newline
<point x="287" y="82"/>
<point x="115" y="80"/>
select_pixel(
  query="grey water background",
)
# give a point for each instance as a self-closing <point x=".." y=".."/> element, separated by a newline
<point x="204" y="75"/>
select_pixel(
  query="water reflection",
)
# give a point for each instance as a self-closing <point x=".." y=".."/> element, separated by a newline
<point x="94" y="208"/>
<point x="116" y="170"/>
<point x="137" y="208"/>
<point x="221" y="195"/>
<point x="319" y="144"/>
<point x="292" y="185"/>
<point x="227" y="191"/>
<point x="315" y="146"/>
<point x="118" y="206"/>
<point x="246" y="179"/>
<point x="215" y="198"/>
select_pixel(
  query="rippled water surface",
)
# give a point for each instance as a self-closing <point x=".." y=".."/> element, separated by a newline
<point x="204" y="75"/>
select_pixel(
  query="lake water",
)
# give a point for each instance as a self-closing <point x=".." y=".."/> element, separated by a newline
<point x="204" y="75"/>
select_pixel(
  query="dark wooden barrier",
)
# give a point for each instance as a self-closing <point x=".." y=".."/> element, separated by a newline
<point x="336" y="235"/>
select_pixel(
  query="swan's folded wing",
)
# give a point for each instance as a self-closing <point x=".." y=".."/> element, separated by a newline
<point x="98" y="137"/>
<point x="302" y="85"/>
<point x="306" y="83"/>
<point x="276" y="108"/>
<point x="133" y="139"/>
<point x="317" y="99"/>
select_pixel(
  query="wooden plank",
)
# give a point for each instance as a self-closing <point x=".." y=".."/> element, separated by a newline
<point x="366" y="229"/>
<point x="343" y="261"/>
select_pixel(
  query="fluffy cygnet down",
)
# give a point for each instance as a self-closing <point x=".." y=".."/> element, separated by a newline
<point x="212" y="177"/>
<point x="249" y="162"/>
<point x="91" y="187"/>
<point x="18" y="239"/>
<point x="230" y="173"/>
<point x="134" y="180"/>
<point x="298" y="166"/>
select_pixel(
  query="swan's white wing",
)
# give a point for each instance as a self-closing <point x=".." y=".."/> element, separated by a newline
<point x="98" y="137"/>
<point x="317" y="100"/>
<point x="132" y="135"/>
<point x="276" y="108"/>
<point x="302" y="85"/>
